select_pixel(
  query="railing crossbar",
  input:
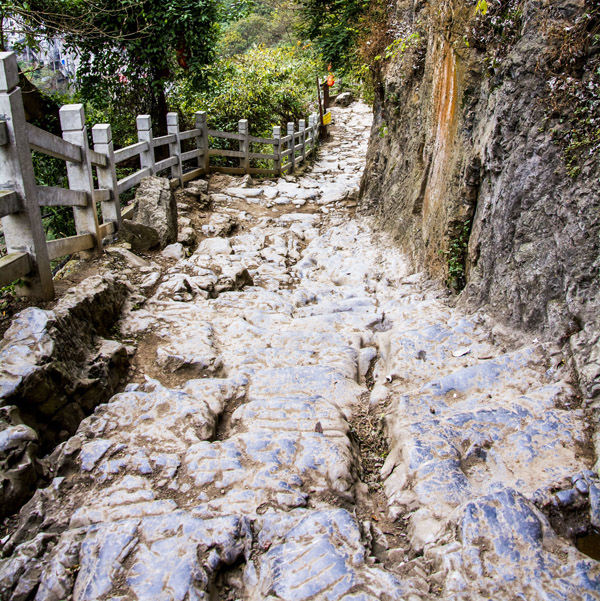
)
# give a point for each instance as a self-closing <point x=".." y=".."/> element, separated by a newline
<point x="133" y="180"/>
<point x="165" y="164"/>
<point x="49" y="196"/>
<point x="162" y="140"/>
<point x="266" y="157"/>
<point x="47" y="143"/>
<point x="9" y="203"/>
<point x="256" y="140"/>
<point x="68" y="246"/>
<point x="191" y="154"/>
<point x="190" y="133"/>
<point x="130" y="151"/>
<point x="13" y="266"/>
<point x="225" y="135"/>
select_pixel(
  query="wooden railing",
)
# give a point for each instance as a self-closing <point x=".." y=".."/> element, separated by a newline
<point x="29" y="253"/>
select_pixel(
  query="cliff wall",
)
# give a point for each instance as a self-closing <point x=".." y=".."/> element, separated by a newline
<point x="483" y="159"/>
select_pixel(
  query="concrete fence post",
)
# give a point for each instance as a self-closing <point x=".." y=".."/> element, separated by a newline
<point x="292" y="146"/>
<point x="23" y="231"/>
<point x="202" y="141"/>
<point x="175" y="147"/>
<point x="144" y="132"/>
<point x="72" y="122"/>
<point x="107" y="176"/>
<point x="302" y="128"/>
<point x="244" y="144"/>
<point x="277" y="148"/>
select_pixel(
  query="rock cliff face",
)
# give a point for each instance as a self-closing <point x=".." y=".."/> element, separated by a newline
<point x="464" y="166"/>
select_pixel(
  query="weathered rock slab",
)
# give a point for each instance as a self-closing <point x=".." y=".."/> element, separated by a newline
<point x="156" y="208"/>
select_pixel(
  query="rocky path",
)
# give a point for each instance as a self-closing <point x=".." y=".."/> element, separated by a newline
<point x="309" y="421"/>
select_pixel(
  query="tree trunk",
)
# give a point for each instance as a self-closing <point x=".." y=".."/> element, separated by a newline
<point x="159" y="117"/>
<point x="159" y="108"/>
<point x="39" y="108"/>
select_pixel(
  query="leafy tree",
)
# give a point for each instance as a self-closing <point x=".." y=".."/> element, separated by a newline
<point x="267" y="86"/>
<point x="131" y="49"/>
<point x="269" y="23"/>
<point x="334" y="27"/>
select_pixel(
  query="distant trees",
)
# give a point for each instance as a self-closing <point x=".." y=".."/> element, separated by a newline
<point x="267" y="86"/>
<point x="267" y="22"/>
<point x="334" y="26"/>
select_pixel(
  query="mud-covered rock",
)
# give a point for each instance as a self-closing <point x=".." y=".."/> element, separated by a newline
<point x="344" y="99"/>
<point x="219" y="225"/>
<point x="187" y="236"/>
<point x="195" y="193"/>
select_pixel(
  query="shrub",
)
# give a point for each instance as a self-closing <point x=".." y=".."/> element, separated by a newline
<point x="267" y="86"/>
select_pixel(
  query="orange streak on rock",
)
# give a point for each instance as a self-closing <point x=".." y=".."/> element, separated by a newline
<point x="445" y="93"/>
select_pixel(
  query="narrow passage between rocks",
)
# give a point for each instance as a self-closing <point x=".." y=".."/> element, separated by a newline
<point x="309" y="420"/>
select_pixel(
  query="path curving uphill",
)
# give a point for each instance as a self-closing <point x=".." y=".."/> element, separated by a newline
<point x="309" y="420"/>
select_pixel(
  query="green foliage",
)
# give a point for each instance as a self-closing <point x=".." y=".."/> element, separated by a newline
<point x="399" y="46"/>
<point x="333" y="26"/>
<point x="270" y="23"/>
<point x="58" y="221"/>
<point x="482" y="7"/>
<point x="234" y="10"/>
<point x="496" y="27"/>
<point x="574" y="99"/>
<point x="129" y="50"/>
<point x="359" y="79"/>
<point x="6" y="291"/>
<point x="579" y="132"/>
<point x="456" y="256"/>
<point x="267" y="86"/>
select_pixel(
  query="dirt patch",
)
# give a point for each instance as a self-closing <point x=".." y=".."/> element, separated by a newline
<point x="144" y="364"/>
<point x="259" y="211"/>
<point x="388" y="537"/>
<point x="228" y="583"/>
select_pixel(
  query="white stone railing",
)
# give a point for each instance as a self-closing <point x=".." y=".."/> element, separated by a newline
<point x="28" y="252"/>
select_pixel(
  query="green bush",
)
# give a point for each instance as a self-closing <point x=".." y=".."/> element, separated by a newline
<point x="267" y="86"/>
<point x="333" y="25"/>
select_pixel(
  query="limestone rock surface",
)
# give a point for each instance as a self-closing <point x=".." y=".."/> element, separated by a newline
<point x="141" y="237"/>
<point x="475" y="160"/>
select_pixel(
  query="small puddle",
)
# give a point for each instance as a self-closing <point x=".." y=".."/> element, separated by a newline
<point x="590" y="544"/>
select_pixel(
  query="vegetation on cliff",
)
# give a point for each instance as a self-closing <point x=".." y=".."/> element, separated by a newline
<point x="574" y="85"/>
